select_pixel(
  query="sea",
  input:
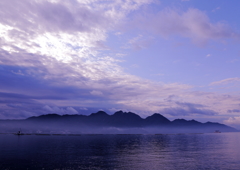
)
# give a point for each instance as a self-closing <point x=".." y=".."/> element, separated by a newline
<point x="121" y="152"/>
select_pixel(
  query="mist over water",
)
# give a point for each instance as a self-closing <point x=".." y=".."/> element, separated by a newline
<point x="66" y="130"/>
<point x="176" y="151"/>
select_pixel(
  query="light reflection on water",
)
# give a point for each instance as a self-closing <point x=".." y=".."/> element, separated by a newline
<point x="181" y="151"/>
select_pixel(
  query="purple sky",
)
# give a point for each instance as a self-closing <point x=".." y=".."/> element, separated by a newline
<point x="179" y="58"/>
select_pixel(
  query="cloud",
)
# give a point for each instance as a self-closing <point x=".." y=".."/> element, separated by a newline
<point x="234" y="111"/>
<point x="71" y="110"/>
<point x="225" y="81"/>
<point x="189" y="105"/>
<point x="208" y="55"/>
<point x="55" y="109"/>
<point x="214" y="10"/>
<point x="60" y="29"/>
<point x="233" y="121"/>
<point x="97" y="93"/>
<point x="24" y="110"/>
<point x="48" y="16"/>
<point x="140" y="42"/>
<point x="184" y="109"/>
<point x="185" y="112"/>
<point x="193" y="24"/>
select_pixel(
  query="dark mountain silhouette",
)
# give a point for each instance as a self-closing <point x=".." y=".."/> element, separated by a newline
<point x="157" y="120"/>
<point x="47" y="117"/>
<point x="183" y="122"/>
<point x="119" y="122"/>
<point x="123" y="119"/>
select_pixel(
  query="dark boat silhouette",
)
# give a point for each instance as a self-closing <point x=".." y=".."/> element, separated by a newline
<point x="19" y="133"/>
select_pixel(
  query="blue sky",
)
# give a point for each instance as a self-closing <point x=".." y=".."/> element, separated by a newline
<point x="179" y="58"/>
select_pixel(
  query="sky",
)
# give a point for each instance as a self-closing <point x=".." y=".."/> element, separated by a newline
<point x="179" y="58"/>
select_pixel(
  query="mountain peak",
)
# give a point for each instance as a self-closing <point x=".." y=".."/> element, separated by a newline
<point x="99" y="113"/>
<point x="120" y="112"/>
<point x="129" y="115"/>
<point x="157" y="119"/>
<point x="179" y="120"/>
<point x="157" y="115"/>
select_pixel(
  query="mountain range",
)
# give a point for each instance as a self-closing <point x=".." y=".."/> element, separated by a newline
<point x="101" y="122"/>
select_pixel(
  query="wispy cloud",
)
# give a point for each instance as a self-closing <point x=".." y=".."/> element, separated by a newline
<point x="139" y="42"/>
<point x="225" y="81"/>
<point x="214" y="10"/>
<point x="193" y="24"/>
<point x="234" y="111"/>
<point x="208" y="55"/>
<point x="55" y="109"/>
<point x="178" y="111"/>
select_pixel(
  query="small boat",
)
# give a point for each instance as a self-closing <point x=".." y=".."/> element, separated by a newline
<point x="217" y="131"/>
<point x="19" y="133"/>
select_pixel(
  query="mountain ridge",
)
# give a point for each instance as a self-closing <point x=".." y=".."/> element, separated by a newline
<point x="102" y="123"/>
<point x="122" y="119"/>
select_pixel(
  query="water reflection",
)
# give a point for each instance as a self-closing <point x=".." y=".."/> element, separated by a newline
<point x="184" y="151"/>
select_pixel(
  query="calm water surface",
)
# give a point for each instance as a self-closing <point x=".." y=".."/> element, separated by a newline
<point x="160" y="152"/>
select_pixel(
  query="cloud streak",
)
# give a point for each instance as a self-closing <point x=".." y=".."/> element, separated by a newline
<point x="225" y="81"/>
<point x="193" y="24"/>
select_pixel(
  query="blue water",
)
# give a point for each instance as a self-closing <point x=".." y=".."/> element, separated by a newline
<point x="160" y="152"/>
